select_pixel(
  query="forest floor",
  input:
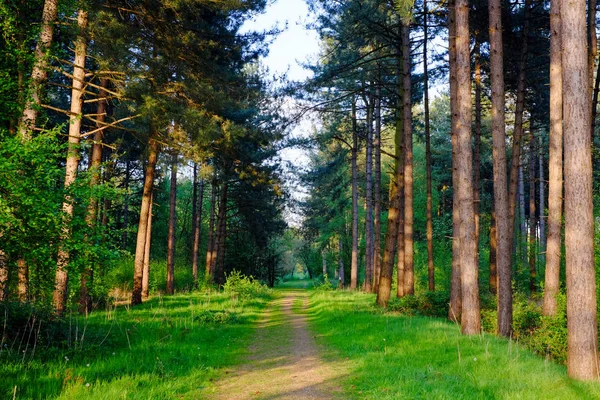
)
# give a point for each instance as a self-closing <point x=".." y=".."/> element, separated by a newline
<point x="284" y="360"/>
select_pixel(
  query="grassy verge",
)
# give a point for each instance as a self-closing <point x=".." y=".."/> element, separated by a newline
<point x="168" y="348"/>
<point x="401" y="357"/>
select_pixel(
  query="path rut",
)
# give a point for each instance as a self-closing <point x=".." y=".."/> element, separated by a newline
<point x="284" y="361"/>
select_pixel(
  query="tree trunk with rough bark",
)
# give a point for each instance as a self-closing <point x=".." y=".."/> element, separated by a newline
<point x="532" y="216"/>
<point x="493" y="254"/>
<point x="197" y="229"/>
<point x="430" y="264"/>
<point x="469" y="267"/>
<point x="210" y="251"/>
<point x="542" y="202"/>
<point x="522" y="222"/>
<point x="39" y="73"/>
<point x="477" y="141"/>
<point x="136" y="297"/>
<point x="369" y="199"/>
<point x="147" y="248"/>
<point x="172" y="222"/>
<point x="409" y="266"/>
<point x="354" y="264"/>
<point x="454" y="312"/>
<point x="582" y="327"/>
<point x="377" y="189"/>
<point x="61" y="281"/>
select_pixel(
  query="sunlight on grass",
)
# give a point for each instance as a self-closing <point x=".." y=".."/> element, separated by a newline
<point x="398" y="357"/>
<point x="163" y="349"/>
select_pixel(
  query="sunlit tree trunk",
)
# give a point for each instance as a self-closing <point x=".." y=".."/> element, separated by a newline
<point x="209" y="272"/>
<point x="430" y="264"/>
<point x="172" y="222"/>
<point x="454" y="311"/>
<point x="147" y="248"/>
<point x="354" y="264"/>
<point x="87" y="275"/>
<point x="377" y="189"/>
<point x="582" y="359"/>
<point x="369" y="199"/>
<point x="197" y="228"/>
<point x="136" y="297"/>
<point x="61" y="281"/>
<point x="409" y="267"/>
<point x="394" y="223"/>
<point x="39" y="74"/>
<point x="532" y="216"/>
<point x="469" y="267"/>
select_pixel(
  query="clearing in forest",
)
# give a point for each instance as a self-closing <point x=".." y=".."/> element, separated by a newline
<point x="284" y="361"/>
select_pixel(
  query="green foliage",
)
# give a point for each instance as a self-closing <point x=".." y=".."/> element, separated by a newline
<point x="430" y="304"/>
<point x="322" y="283"/>
<point x="244" y="287"/>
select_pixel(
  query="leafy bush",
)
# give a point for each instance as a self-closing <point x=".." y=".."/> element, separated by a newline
<point x="244" y="287"/>
<point x="323" y="283"/>
<point x="430" y="304"/>
<point x="216" y="317"/>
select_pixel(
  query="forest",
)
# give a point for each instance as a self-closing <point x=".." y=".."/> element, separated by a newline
<point x="449" y="189"/>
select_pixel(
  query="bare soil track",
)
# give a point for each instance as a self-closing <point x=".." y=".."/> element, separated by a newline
<point x="284" y="361"/>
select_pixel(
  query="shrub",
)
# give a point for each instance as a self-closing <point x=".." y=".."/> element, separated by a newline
<point x="430" y="304"/>
<point x="244" y="287"/>
<point x="322" y="283"/>
<point x="216" y="317"/>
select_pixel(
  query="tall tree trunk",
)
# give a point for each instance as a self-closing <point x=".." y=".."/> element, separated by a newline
<point x="210" y="251"/>
<point x="136" y="297"/>
<point x="221" y="236"/>
<point x="39" y="74"/>
<point x="85" y="298"/>
<point x="493" y="253"/>
<point x="532" y="211"/>
<point x="518" y="128"/>
<point x="582" y="359"/>
<point x="469" y="268"/>
<point x="542" y="201"/>
<point x="23" y="287"/>
<point x="354" y="264"/>
<point x="197" y="230"/>
<point x="61" y="281"/>
<point x="369" y="199"/>
<point x="454" y="312"/>
<point x="477" y="141"/>
<point x="147" y="248"/>
<point x="522" y="223"/>
<point x="377" y="219"/>
<point x="409" y="266"/>
<point x="124" y="237"/>
<point x="324" y="261"/>
<point x="396" y="184"/>
<point x="592" y="47"/>
<point x="341" y="274"/>
<point x="172" y="228"/>
<point x="3" y="276"/>
<point x="430" y="264"/>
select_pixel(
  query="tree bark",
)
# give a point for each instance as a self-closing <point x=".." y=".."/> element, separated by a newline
<point x="140" y="247"/>
<point x="61" y="281"/>
<point x="409" y="267"/>
<point x="369" y="199"/>
<point x="582" y="359"/>
<point x="542" y="202"/>
<point x="532" y="216"/>
<point x="522" y="223"/>
<point x="555" y="166"/>
<point x="430" y="264"/>
<point x="147" y="248"/>
<point x="3" y="276"/>
<point x="219" y="260"/>
<point x="210" y="252"/>
<point x="470" y="317"/>
<point x="354" y="264"/>
<point x="477" y="141"/>
<point x="197" y="230"/>
<point x="85" y="298"/>
<point x="396" y="184"/>
<point x="493" y="253"/>
<point x="172" y="228"/>
<point x="377" y="189"/>
<point x="454" y="312"/>
<point x="39" y="73"/>
<point x="23" y="287"/>
<point x="518" y="128"/>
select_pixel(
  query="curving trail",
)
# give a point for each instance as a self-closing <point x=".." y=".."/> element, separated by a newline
<point x="284" y="361"/>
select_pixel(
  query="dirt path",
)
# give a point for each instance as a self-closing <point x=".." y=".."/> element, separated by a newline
<point x="284" y="362"/>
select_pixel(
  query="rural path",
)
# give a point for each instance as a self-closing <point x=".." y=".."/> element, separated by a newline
<point x="284" y="361"/>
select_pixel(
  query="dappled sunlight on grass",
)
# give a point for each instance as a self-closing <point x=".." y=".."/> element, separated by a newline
<point x="396" y="357"/>
<point x="165" y="348"/>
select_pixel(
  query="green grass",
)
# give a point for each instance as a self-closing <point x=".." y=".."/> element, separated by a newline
<point x="399" y="357"/>
<point x="168" y="348"/>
